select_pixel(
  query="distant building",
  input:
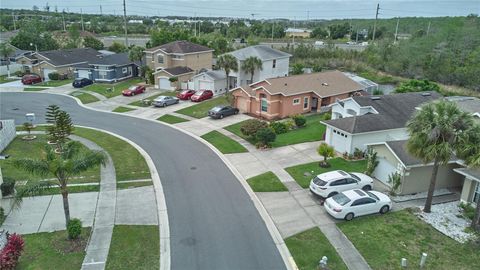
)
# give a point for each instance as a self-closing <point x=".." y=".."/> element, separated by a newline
<point x="296" y="32"/>
<point x="136" y="21"/>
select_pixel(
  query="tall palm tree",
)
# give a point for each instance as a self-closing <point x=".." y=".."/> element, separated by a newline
<point x="436" y="132"/>
<point x="73" y="160"/>
<point x="228" y="63"/>
<point x="251" y="64"/>
<point x="5" y="51"/>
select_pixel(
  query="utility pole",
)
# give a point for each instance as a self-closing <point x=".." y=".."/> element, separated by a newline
<point x="273" y="25"/>
<point x="375" y="23"/>
<point x="293" y="34"/>
<point x="101" y="13"/>
<point x="63" y="19"/>
<point x="125" y="21"/>
<point x="81" y="19"/>
<point x="356" y="39"/>
<point x="195" y="24"/>
<point x="14" y="24"/>
<point x="396" y="32"/>
<point x="428" y="28"/>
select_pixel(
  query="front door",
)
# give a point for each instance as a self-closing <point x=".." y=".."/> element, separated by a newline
<point x="314" y="104"/>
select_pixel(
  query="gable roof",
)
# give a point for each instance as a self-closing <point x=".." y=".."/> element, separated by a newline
<point x="68" y="56"/>
<point x="263" y="52"/>
<point x="176" y="71"/>
<point x="393" y="112"/>
<point x="323" y="84"/>
<point x="399" y="148"/>
<point x="214" y="74"/>
<point x="180" y="47"/>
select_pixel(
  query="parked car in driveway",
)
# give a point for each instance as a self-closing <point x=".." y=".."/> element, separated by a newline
<point x="186" y="94"/>
<point x="201" y="95"/>
<point x="81" y="82"/>
<point x="331" y="183"/>
<point x="222" y="111"/>
<point x="353" y="203"/>
<point x="134" y="90"/>
<point x="164" y="101"/>
<point x="31" y="79"/>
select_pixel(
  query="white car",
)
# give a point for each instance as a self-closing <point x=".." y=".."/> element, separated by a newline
<point x="330" y="183"/>
<point x="357" y="202"/>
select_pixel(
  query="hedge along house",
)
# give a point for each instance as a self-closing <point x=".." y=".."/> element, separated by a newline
<point x="57" y="61"/>
<point x="285" y="96"/>
<point x="108" y="68"/>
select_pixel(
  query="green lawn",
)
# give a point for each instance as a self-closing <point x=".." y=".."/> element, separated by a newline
<point x="84" y="97"/>
<point x="313" y="131"/>
<point x="129" y="163"/>
<point x="122" y="109"/>
<point x="171" y="119"/>
<point x="308" y="247"/>
<point x="140" y="103"/>
<point x="201" y="109"/>
<point x="116" y="89"/>
<point x="384" y="240"/>
<point x="4" y="79"/>
<point x="52" y="83"/>
<point x="266" y="182"/>
<point x="34" y="89"/>
<point x="297" y="172"/>
<point x="134" y="247"/>
<point x="224" y="143"/>
<point x="45" y="251"/>
<point x="35" y="149"/>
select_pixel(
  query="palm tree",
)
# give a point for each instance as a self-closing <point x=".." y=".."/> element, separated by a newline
<point x="436" y="132"/>
<point x="73" y="160"/>
<point x="5" y="51"/>
<point x="228" y="63"/>
<point x="251" y="64"/>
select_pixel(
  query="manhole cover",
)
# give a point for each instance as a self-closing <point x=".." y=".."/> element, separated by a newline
<point x="193" y="168"/>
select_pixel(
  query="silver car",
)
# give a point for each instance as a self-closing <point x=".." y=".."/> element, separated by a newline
<point x="164" y="101"/>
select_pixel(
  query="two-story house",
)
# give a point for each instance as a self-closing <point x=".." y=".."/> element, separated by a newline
<point x="274" y="64"/>
<point x="176" y="62"/>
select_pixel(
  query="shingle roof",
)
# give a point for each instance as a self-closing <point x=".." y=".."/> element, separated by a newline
<point x="175" y="71"/>
<point x="263" y="52"/>
<point x="399" y="148"/>
<point x="467" y="104"/>
<point x="393" y="112"/>
<point x="180" y="47"/>
<point x="69" y="56"/>
<point x="118" y="59"/>
<point x="215" y="74"/>
<point x="324" y="84"/>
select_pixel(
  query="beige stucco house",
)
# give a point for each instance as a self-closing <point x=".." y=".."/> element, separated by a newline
<point x="281" y="97"/>
<point x="168" y="60"/>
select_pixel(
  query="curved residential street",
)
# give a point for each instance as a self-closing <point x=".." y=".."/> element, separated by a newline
<point x="213" y="222"/>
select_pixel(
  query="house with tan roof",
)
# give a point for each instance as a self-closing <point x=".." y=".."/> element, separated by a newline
<point x="175" y="63"/>
<point x="281" y="97"/>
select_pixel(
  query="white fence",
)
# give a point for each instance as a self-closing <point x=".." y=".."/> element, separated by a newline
<point x="13" y="67"/>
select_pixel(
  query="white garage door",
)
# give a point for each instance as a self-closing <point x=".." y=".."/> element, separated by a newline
<point x="383" y="170"/>
<point x="339" y="142"/>
<point x="47" y="71"/>
<point x="205" y="85"/>
<point x="164" y="83"/>
<point x="83" y="74"/>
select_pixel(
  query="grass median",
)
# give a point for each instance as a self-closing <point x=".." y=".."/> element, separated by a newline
<point x="34" y="89"/>
<point x="171" y="119"/>
<point x="84" y="97"/>
<point x="112" y="90"/>
<point x="201" y="109"/>
<point x="122" y="109"/>
<point x="52" y="83"/>
<point x="223" y="143"/>
<point x="266" y="182"/>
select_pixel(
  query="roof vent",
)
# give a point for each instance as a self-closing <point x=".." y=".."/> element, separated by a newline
<point x="375" y="98"/>
<point x="426" y="94"/>
<point x="325" y="84"/>
<point x="285" y="84"/>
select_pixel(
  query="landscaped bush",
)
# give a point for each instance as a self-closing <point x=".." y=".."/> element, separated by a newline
<point x="299" y="120"/>
<point x="290" y="124"/>
<point x="395" y="180"/>
<point x="251" y="126"/>
<point x="11" y="252"/>
<point x="74" y="228"/>
<point x="54" y="76"/>
<point x="358" y="153"/>
<point x="2" y="216"/>
<point x="265" y="137"/>
<point x="468" y="210"/>
<point x="372" y="161"/>
<point x="327" y="116"/>
<point x="326" y="151"/>
<point x="279" y="127"/>
<point x="19" y="73"/>
<point x="173" y="79"/>
<point x="8" y="186"/>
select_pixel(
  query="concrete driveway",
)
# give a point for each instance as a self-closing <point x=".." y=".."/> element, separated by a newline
<point x="12" y="84"/>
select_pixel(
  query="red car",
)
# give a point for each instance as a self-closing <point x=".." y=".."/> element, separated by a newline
<point x="202" y="95"/>
<point x="134" y="90"/>
<point x="31" y="79"/>
<point x="186" y="94"/>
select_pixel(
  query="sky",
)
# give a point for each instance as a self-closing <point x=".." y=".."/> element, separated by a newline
<point x="262" y="9"/>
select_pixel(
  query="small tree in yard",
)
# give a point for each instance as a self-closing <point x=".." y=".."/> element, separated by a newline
<point x="326" y="151"/>
<point x="61" y="125"/>
<point x="372" y="161"/>
<point x="394" y="179"/>
<point x="299" y="120"/>
<point x="265" y="137"/>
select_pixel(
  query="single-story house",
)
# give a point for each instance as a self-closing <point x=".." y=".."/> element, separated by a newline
<point x="285" y="96"/>
<point x="361" y="120"/>
<point x="173" y="78"/>
<point x="108" y="68"/>
<point x="214" y="80"/>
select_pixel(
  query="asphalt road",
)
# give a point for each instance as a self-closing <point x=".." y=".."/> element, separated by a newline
<point x="213" y="222"/>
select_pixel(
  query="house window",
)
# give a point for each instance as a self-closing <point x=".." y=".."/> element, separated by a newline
<point x="305" y="103"/>
<point x="178" y="57"/>
<point x="124" y="70"/>
<point x="264" y="103"/>
<point x="160" y="59"/>
<point x="476" y="194"/>
<point x="296" y="101"/>
<point x="274" y="63"/>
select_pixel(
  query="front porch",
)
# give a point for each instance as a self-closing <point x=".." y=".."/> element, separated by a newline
<point x="471" y="185"/>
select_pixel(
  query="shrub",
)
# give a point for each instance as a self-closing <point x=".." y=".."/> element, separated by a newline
<point x="372" y="161"/>
<point x="279" y="127"/>
<point x="468" y="210"/>
<point x="11" y="252"/>
<point x="74" y="228"/>
<point x="2" y="216"/>
<point x="327" y="116"/>
<point x="299" y="120"/>
<point x="251" y="126"/>
<point x="358" y="153"/>
<point x="54" y="76"/>
<point x="290" y="124"/>
<point x="265" y="137"/>
<point x="417" y="86"/>
<point x="19" y="73"/>
<point x="8" y="186"/>
<point x="394" y="179"/>
<point x="173" y="79"/>
<point x="326" y="151"/>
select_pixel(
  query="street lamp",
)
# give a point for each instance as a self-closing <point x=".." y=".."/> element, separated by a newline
<point x="36" y="48"/>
